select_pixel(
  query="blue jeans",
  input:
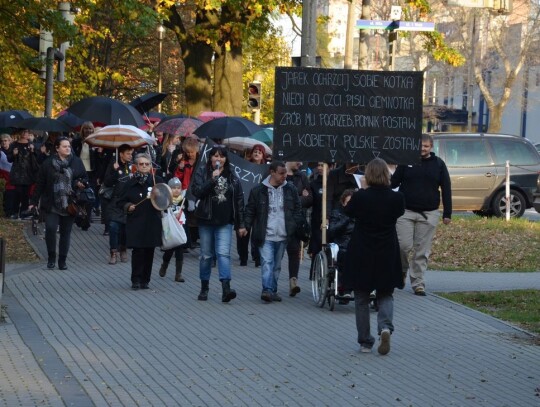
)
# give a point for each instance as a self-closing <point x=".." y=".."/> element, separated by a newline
<point x="117" y="235"/>
<point x="271" y="256"/>
<point x="215" y="239"/>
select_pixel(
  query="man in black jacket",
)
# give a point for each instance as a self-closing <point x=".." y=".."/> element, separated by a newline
<point x="273" y="211"/>
<point x="422" y="186"/>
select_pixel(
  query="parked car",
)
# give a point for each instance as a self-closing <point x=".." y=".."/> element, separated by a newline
<point x="476" y="163"/>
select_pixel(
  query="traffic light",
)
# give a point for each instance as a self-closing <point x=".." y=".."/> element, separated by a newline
<point x="254" y="95"/>
<point x="41" y="43"/>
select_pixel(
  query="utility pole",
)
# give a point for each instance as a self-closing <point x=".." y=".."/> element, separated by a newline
<point x="351" y="23"/>
<point x="161" y="30"/>
<point x="364" y="37"/>
<point x="308" y="47"/>
<point x="470" y="73"/>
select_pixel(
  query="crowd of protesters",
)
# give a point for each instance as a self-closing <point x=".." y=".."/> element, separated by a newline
<point x="47" y="172"/>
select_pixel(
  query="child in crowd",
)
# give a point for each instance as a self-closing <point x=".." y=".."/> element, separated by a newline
<point x="178" y="209"/>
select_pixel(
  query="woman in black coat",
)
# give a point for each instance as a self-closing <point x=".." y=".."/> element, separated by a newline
<point x="143" y="221"/>
<point x="220" y="208"/>
<point x="59" y="176"/>
<point x="116" y="175"/>
<point x="373" y="260"/>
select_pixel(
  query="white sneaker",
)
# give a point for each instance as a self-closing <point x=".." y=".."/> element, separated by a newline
<point x="365" y="349"/>
<point x="384" y="345"/>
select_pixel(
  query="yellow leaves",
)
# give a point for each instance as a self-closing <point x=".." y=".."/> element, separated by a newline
<point x="117" y="77"/>
<point x="476" y="244"/>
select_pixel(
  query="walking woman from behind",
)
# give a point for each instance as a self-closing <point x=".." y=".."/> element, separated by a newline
<point x="373" y="261"/>
<point x="143" y="221"/>
<point x="221" y="205"/>
<point x="59" y="176"/>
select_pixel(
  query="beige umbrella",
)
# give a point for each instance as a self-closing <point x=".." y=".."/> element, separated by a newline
<point x="117" y="134"/>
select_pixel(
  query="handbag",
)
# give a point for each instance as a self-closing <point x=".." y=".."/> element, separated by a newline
<point x="86" y="196"/>
<point x="72" y="209"/>
<point x="173" y="233"/>
<point x="106" y="192"/>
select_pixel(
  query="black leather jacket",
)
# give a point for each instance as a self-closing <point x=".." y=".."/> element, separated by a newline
<point x="202" y="187"/>
<point x="257" y="211"/>
<point x="340" y="228"/>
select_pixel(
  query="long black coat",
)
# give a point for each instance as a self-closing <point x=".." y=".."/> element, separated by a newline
<point x="143" y="225"/>
<point x="44" y="191"/>
<point x="116" y="179"/>
<point x="373" y="260"/>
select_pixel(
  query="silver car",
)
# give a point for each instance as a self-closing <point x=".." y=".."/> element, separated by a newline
<point x="476" y="163"/>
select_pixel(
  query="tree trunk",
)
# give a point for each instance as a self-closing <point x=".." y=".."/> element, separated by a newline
<point x="495" y="118"/>
<point x="198" y="70"/>
<point x="228" y="89"/>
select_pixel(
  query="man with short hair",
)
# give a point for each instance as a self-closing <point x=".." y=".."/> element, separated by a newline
<point x="422" y="186"/>
<point x="273" y="211"/>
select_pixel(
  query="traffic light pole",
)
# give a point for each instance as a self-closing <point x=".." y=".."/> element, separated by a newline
<point x="49" y="82"/>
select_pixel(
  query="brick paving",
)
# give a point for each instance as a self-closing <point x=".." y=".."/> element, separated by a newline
<point x="82" y="337"/>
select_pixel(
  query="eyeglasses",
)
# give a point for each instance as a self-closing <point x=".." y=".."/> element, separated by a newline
<point x="144" y="164"/>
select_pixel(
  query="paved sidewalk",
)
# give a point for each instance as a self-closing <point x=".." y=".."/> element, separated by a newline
<point x="81" y="337"/>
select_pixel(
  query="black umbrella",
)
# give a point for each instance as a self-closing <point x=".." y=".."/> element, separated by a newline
<point x="156" y="115"/>
<point x="226" y="127"/>
<point x="70" y="119"/>
<point x="107" y="111"/>
<point x="10" y="117"/>
<point x="146" y="102"/>
<point x="43" y="124"/>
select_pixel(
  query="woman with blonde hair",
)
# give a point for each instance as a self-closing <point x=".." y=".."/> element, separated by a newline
<point x="373" y="261"/>
<point x="171" y="143"/>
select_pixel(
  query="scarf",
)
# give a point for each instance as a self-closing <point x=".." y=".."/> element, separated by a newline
<point x="63" y="176"/>
<point x="141" y="178"/>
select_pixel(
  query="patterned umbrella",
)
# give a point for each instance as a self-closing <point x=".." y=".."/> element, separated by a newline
<point x="179" y="127"/>
<point x="115" y="135"/>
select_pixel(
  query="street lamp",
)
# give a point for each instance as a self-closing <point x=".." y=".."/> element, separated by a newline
<point x="161" y="30"/>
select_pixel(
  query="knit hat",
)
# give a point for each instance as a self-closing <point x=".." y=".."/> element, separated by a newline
<point x="174" y="182"/>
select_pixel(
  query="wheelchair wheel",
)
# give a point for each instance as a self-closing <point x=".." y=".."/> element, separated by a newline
<point x="331" y="301"/>
<point x="319" y="283"/>
<point x="332" y="284"/>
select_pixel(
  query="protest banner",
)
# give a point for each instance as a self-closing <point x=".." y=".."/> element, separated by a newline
<point x="340" y="115"/>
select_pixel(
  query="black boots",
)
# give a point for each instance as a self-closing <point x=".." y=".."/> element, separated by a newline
<point x="62" y="263"/>
<point x="228" y="293"/>
<point x="51" y="261"/>
<point x="203" y="295"/>
<point x="178" y="277"/>
<point x="163" y="268"/>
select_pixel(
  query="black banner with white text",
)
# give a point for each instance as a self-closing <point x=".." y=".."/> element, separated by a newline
<point x="339" y="115"/>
